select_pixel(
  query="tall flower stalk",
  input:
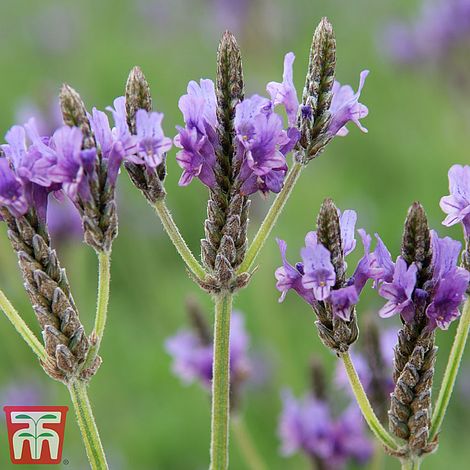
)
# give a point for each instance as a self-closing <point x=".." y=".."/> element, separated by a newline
<point x="237" y="146"/>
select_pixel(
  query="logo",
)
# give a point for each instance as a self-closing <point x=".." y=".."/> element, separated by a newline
<point x="36" y="433"/>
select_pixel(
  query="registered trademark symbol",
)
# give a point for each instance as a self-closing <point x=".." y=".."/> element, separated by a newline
<point x="65" y="462"/>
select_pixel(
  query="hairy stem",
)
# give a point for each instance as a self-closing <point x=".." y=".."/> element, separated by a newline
<point x="271" y="217"/>
<point x="365" y="406"/>
<point x="246" y="445"/>
<point x="411" y="464"/>
<point x="452" y="369"/>
<point x="104" y="279"/>
<point x="22" y="328"/>
<point x="221" y="383"/>
<point x="87" y="425"/>
<point x="175" y="236"/>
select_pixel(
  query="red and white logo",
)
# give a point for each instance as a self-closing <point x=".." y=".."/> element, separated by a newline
<point x="36" y="433"/>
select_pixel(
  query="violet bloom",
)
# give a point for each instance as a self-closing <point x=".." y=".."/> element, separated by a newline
<point x="192" y="357"/>
<point x="198" y="139"/>
<point x="148" y="147"/>
<point x="457" y="205"/>
<point x="307" y="425"/>
<point x="261" y="141"/>
<point x="382" y="266"/>
<point x="399" y="292"/>
<point x="72" y="162"/>
<point x="284" y="93"/>
<point x="345" y="106"/>
<point x="314" y="279"/>
<point x="442" y="295"/>
<point x="12" y="195"/>
<point x="450" y="283"/>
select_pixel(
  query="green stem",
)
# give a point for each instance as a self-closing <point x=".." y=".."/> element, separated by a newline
<point x="87" y="425"/>
<point x="22" y="328"/>
<point x="452" y="369"/>
<point x="377" y="462"/>
<point x="411" y="464"/>
<point x="246" y="445"/>
<point x="104" y="279"/>
<point x="177" y="239"/>
<point x="221" y="383"/>
<point x="365" y="406"/>
<point x="271" y="217"/>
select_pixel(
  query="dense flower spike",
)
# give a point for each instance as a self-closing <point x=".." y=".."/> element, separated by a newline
<point x="320" y="277"/>
<point x="426" y="290"/>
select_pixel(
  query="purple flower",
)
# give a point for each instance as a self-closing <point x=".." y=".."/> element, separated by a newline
<point x="153" y="145"/>
<point x="12" y="195"/>
<point x="449" y="283"/>
<point x="457" y="205"/>
<point x="198" y="139"/>
<point x="290" y="277"/>
<point x="450" y="293"/>
<point x="342" y="300"/>
<point x="260" y="138"/>
<point x="192" y="357"/>
<point x="345" y="107"/>
<point x="382" y="266"/>
<point x="307" y="425"/>
<point x="319" y="272"/>
<point x="399" y="291"/>
<point x="314" y="279"/>
<point x="72" y="162"/>
<point x="284" y="93"/>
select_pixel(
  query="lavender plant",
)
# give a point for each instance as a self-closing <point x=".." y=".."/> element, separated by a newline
<point x="425" y="287"/>
<point x="237" y="147"/>
<point x="81" y="160"/>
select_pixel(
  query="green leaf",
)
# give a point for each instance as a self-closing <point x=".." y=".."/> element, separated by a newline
<point x="25" y="434"/>
<point x="48" y="417"/>
<point x="46" y="434"/>
<point x="23" y="417"/>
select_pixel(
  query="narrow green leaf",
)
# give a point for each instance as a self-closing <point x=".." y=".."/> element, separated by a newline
<point x="46" y="434"/>
<point x="48" y="417"/>
<point x="25" y="434"/>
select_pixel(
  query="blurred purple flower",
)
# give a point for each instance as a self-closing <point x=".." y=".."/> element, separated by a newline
<point x="439" y="26"/>
<point x="63" y="221"/>
<point x="21" y="394"/>
<point x="192" y="356"/>
<point x="307" y="425"/>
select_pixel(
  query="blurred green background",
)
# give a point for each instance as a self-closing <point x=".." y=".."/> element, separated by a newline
<point x="418" y="126"/>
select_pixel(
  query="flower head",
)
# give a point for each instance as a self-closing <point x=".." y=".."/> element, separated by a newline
<point x="12" y="193"/>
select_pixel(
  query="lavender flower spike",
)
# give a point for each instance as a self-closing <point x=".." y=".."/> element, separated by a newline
<point x="345" y="107"/>
<point x="457" y="204"/>
<point x="319" y="272"/>
<point x="284" y="93"/>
